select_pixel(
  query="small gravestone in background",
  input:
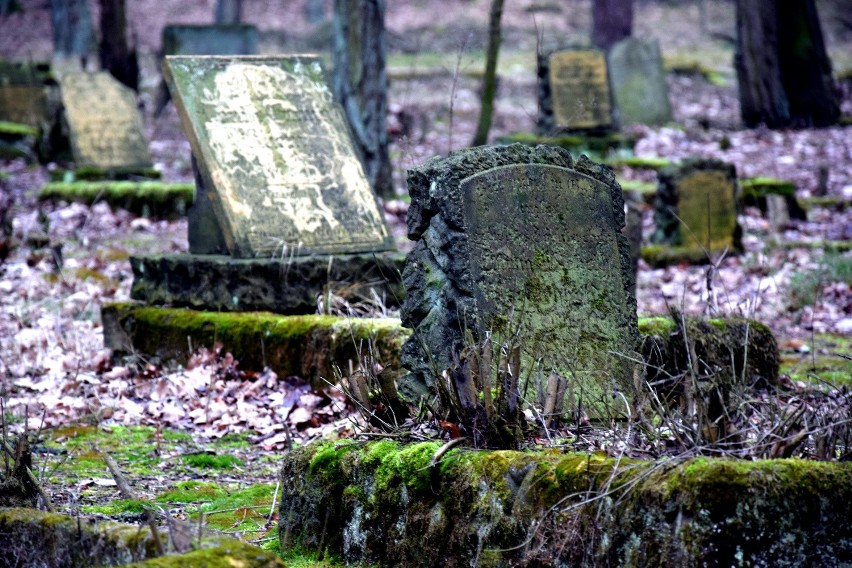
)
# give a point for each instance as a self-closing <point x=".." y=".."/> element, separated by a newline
<point x="272" y="148"/>
<point x="574" y="92"/>
<point x="638" y="81"/>
<point x="104" y="123"/>
<point x="24" y="93"/>
<point x="519" y="237"/>
<point x="695" y="212"/>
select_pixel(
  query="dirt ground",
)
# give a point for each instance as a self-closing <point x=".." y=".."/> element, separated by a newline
<point x="52" y="362"/>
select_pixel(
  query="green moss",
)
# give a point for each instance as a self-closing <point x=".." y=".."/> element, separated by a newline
<point x="212" y="461"/>
<point x="148" y="197"/>
<point x="117" y="507"/>
<point x="663" y="255"/>
<point x="244" y="509"/>
<point x="827" y="201"/>
<point x="191" y="492"/>
<point x="659" y="325"/>
<point x="17" y="129"/>
<point x="640" y="162"/>
<point x="228" y="554"/>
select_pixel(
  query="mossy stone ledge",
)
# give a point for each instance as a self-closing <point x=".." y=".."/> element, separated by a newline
<point x="384" y="504"/>
<point x="145" y="198"/>
<point x="307" y="346"/>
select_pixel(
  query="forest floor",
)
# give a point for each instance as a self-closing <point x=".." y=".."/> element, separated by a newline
<point x="56" y="373"/>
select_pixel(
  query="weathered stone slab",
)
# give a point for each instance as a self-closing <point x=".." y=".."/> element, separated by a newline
<point x="275" y="158"/>
<point x="285" y="286"/>
<point x="638" y="82"/>
<point x="574" y="91"/>
<point x="696" y="210"/>
<point x="522" y="238"/>
<point x="104" y="122"/>
<point x="227" y="39"/>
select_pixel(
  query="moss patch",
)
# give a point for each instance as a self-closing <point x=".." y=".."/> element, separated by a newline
<point x="16" y="129"/>
<point x="212" y="461"/>
<point x="147" y="198"/>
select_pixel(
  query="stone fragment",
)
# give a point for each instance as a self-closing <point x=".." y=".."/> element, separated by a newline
<point x="638" y="81"/>
<point x="274" y="155"/>
<point x="524" y="239"/>
<point x="574" y="92"/>
<point x="105" y="125"/>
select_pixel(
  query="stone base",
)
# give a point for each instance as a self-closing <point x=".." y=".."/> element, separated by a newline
<point x="284" y="286"/>
<point x="144" y="198"/>
<point x="305" y="346"/>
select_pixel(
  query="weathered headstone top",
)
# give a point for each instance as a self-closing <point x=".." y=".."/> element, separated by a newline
<point x="104" y="122"/>
<point x="274" y="154"/>
<point x="221" y="39"/>
<point x="518" y="237"/>
<point x="638" y="81"/>
<point x="696" y="207"/>
<point x="574" y="90"/>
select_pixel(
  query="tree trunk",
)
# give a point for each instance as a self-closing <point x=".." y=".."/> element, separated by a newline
<point x="9" y="6"/>
<point x="361" y="86"/>
<point x="229" y="11"/>
<point x="116" y="55"/>
<point x="489" y="80"/>
<point x="783" y="71"/>
<point x="72" y="28"/>
<point x="612" y="20"/>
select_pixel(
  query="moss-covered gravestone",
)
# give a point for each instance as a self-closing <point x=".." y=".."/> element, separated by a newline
<point x="524" y="239"/>
<point x="104" y="122"/>
<point x="24" y="93"/>
<point x="695" y="212"/>
<point x="574" y="93"/>
<point x="638" y="81"/>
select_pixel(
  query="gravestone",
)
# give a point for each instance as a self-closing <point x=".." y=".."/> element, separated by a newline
<point x="695" y="211"/>
<point x="278" y="168"/>
<point x="283" y="211"/>
<point x="518" y="237"/>
<point x="24" y="93"/>
<point x="218" y="39"/>
<point x="574" y="92"/>
<point x="638" y="81"/>
<point x="224" y="39"/>
<point x="104" y="123"/>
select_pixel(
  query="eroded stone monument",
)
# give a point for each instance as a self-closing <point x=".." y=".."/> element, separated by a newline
<point x="524" y="238"/>
<point x="104" y="123"/>
<point x="24" y="90"/>
<point x="695" y="212"/>
<point x="279" y="170"/>
<point x="574" y="93"/>
<point x="638" y="81"/>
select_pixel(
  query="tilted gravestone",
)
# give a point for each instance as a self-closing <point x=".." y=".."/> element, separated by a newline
<point x="519" y="237"/>
<point x="574" y="92"/>
<point x="283" y="211"/>
<point x="104" y="123"/>
<point x="695" y="212"/>
<point x="638" y="81"/>
<point x="278" y="168"/>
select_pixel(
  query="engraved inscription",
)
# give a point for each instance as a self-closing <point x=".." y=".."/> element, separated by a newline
<point x="580" y="89"/>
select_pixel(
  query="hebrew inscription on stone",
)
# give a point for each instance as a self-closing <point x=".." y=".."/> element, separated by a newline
<point x="104" y="122"/>
<point x="274" y="152"/>
<point x="580" y="89"/>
